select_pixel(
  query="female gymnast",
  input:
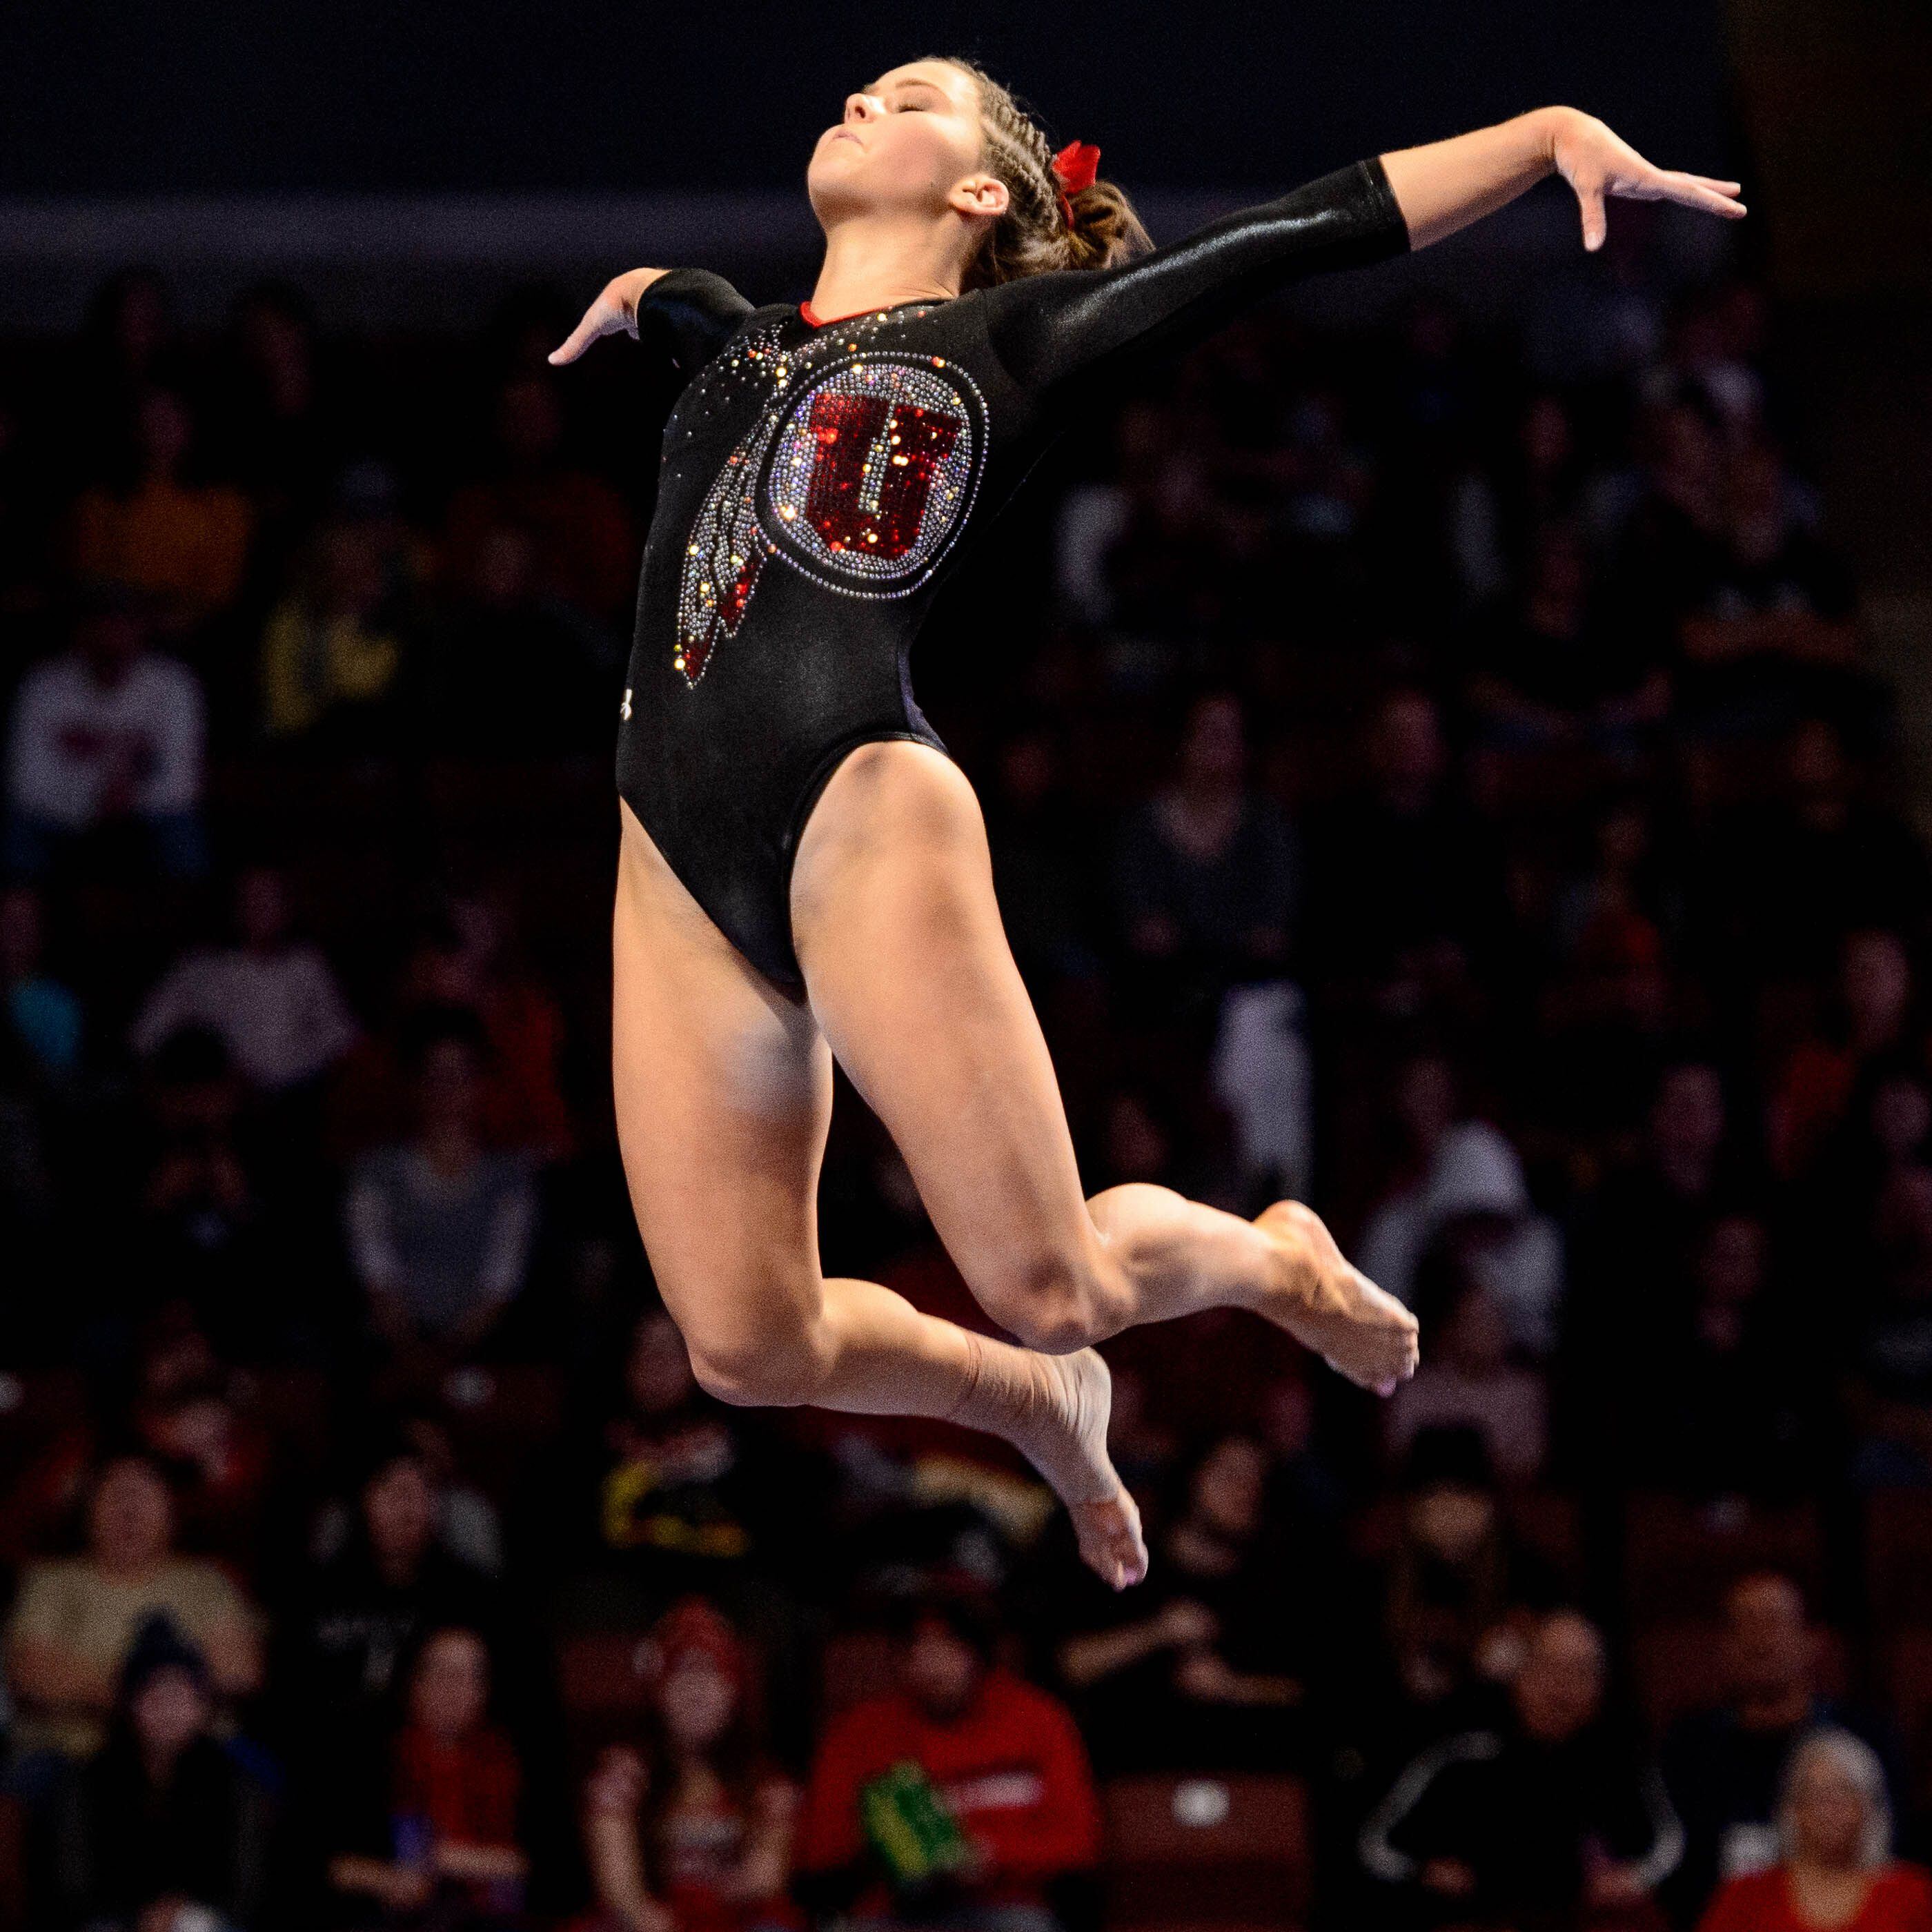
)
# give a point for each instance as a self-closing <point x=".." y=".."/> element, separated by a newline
<point x="803" y="870"/>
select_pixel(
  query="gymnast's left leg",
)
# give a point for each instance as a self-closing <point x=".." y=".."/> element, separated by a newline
<point x="912" y="983"/>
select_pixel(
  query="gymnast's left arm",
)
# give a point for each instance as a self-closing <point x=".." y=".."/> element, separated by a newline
<point x="1447" y="184"/>
<point x="1049" y="329"/>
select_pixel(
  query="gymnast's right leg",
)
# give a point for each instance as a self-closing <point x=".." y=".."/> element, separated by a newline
<point x="723" y="1094"/>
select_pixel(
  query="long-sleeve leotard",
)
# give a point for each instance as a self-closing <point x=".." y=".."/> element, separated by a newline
<point x="816" y="482"/>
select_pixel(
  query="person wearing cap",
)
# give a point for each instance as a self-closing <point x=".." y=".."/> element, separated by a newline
<point x="695" y="1831"/>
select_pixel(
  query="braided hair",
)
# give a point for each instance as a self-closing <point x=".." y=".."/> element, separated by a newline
<point x="1034" y="236"/>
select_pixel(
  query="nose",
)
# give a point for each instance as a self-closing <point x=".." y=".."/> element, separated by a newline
<point x="863" y="106"/>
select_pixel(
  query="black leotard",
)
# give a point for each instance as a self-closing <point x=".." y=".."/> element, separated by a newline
<point x="818" y="478"/>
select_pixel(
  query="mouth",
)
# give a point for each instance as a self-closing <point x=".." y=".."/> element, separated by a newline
<point x="846" y="134"/>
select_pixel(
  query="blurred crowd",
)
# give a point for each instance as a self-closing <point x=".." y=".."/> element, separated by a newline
<point x="1432" y="769"/>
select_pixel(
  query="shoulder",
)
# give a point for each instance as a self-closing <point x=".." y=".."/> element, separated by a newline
<point x="1749" y="1901"/>
<point x="53" y="677"/>
<point x="1910" y="1884"/>
<point x="164" y="674"/>
<point x="1459" y="1750"/>
<point x="1010" y="1695"/>
<point x="871" y="1727"/>
<point x="194" y="1586"/>
<point x="47" y="1583"/>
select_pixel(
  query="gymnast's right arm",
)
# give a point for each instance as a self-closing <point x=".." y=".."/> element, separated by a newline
<point x="687" y="313"/>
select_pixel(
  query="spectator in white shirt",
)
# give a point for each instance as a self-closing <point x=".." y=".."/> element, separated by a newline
<point x="440" y="1226"/>
<point x="109" y="731"/>
<point x="271" y="998"/>
<point x="1460" y="1168"/>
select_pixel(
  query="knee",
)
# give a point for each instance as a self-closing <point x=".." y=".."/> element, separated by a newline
<point x="771" y="1365"/>
<point x="1053" y="1303"/>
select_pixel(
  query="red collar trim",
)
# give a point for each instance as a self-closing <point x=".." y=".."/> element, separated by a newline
<point x="814" y="319"/>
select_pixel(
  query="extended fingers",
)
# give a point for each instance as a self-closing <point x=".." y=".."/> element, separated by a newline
<point x="1704" y="191"/>
<point x="602" y="318"/>
<point x="1720" y="197"/>
<point x="579" y="339"/>
<point x="1590" y="196"/>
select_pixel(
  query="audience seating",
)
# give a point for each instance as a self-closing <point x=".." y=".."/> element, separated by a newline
<point x="1680" y="1557"/>
<point x="1675" y="1667"/>
<point x="1898" y="1557"/>
<point x="1226" y="1852"/>
<point x="852" y="1666"/>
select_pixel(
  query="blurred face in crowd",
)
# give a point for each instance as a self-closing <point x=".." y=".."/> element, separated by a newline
<point x="1288" y="1417"/>
<point x="1687" y="466"/>
<point x="1137" y="1146"/>
<point x="1546" y="437"/>
<point x="275" y="341"/>
<point x="451" y="1687"/>
<point x="1214" y="750"/>
<point x="659" y="1377"/>
<point x="1559" y="1689"/>
<point x="1904" y="1226"/>
<point x="904" y="144"/>
<point x="19" y="933"/>
<point x="941" y="1670"/>
<point x="1817" y="763"/>
<point x="1228" y="1489"/>
<point x="1408" y="750"/>
<point x="1474" y="1338"/>
<point x="1452" y="1522"/>
<point x="139" y="323"/>
<point x="1558" y="571"/>
<point x="1686" y="1123"/>
<point x="1760" y="512"/>
<point x="1027" y="769"/>
<point x="131" y="1522"/>
<point x="170" y="1710"/>
<point x="1426" y="1101"/>
<point x="1876" y="977"/>
<point x="529" y="420"/>
<point x="1730" y="1269"/>
<point x="261" y="908"/>
<point x="1901" y="1116"/>
<point x="1768" y="1644"/>
<point x="399" y="1511"/>
<point x="449" y="1089"/>
<point x="698" y="1700"/>
<point x="1828" y="1810"/>
<point x="164" y="429"/>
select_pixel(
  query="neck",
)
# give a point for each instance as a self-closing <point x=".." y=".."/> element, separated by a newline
<point x="1775" y="1709"/>
<point x="876" y="261"/>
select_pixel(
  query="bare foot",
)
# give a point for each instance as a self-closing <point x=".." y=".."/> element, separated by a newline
<point x="1331" y="1306"/>
<point x="1065" y="1438"/>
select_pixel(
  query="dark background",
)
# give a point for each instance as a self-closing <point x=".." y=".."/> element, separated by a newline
<point x="118" y="97"/>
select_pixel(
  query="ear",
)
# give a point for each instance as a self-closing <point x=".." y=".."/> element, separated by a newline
<point x="983" y="195"/>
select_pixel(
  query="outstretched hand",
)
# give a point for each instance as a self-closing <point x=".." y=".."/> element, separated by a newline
<point x="615" y="308"/>
<point x="1597" y="163"/>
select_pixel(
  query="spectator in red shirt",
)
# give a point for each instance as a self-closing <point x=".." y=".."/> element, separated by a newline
<point x="454" y="1855"/>
<point x="961" y="1798"/>
<point x="1837" y="1871"/>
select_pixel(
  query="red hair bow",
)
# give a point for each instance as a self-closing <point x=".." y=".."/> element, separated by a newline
<point x="1074" y="166"/>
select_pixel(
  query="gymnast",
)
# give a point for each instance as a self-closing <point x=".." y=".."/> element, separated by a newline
<point x="803" y="870"/>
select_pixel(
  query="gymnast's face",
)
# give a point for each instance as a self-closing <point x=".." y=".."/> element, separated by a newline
<point x="912" y="143"/>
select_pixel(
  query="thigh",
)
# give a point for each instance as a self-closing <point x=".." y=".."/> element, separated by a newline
<point x="723" y="1089"/>
<point x="912" y="983"/>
